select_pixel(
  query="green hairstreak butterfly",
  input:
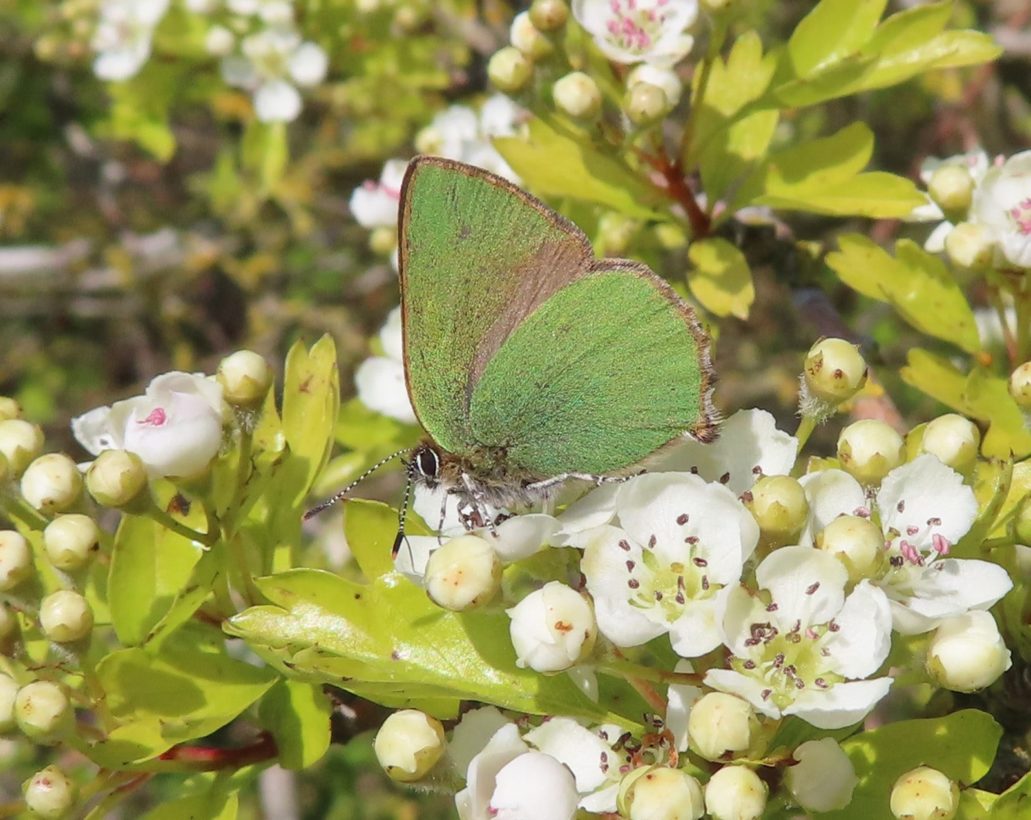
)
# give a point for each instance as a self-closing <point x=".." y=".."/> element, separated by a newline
<point x="528" y="361"/>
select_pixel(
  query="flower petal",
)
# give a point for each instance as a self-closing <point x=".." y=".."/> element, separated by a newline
<point x="841" y="705"/>
<point x="807" y="585"/>
<point x="925" y="498"/>
<point x="745" y="687"/>
<point x="863" y="639"/>
<point x="830" y="493"/>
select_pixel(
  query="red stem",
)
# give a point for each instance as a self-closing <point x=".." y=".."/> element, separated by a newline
<point x="213" y="758"/>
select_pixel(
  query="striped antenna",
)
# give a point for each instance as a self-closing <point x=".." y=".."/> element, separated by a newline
<point x="329" y="502"/>
<point x="403" y="512"/>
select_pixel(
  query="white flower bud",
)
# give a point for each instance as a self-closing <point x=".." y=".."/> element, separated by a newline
<point x="15" y="559"/>
<point x="526" y="37"/>
<point x="20" y="443"/>
<point x="534" y="785"/>
<point x="660" y="793"/>
<point x="951" y="187"/>
<point x="1020" y="385"/>
<point x="924" y="794"/>
<point x="9" y="408"/>
<point x="8" y="692"/>
<point x="52" y="483"/>
<point x="824" y="778"/>
<point x="464" y="573"/>
<point x="383" y="240"/>
<point x="869" y="450"/>
<point x="645" y="103"/>
<point x="69" y="541"/>
<point x="857" y="542"/>
<point x="219" y="41"/>
<point x="967" y="652"/>
<point x="721" y="724"/>
<point x="409" y="744"/>
<point x="780" y="508"/>
<point x="578" y="95"/>
<point x="970" y="245"/>
<point x="42" y="711"/>
<point x="834" y="370"/>
<point x="116" y="478"/>
<point x="552" y="628"/>
<point x="49" y="794"/>
<point x="65" y="616"/>
<point x="735" y="793"/>
<point x="665" y="78"/>
<point x="245" y="378"/>
<point x="954" y="439"/>
<point x="509" y="69"/>
<point x="549" y="15"/>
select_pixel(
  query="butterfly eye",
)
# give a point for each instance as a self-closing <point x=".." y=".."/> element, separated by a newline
<point x="427" y="462"/>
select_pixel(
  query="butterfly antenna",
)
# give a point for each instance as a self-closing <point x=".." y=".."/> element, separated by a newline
<point x="402" y="513"/>
<point x="329" y="502"/>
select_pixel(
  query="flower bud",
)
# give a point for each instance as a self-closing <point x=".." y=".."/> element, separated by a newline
<point x="1020" y="385"/>
<point x="954" y="439"/>
<point x="780" y="508"/>
<point x="52" y="483"/>
<point x="245" y="378"/>
<point x="49" y="794"/>
<point x="951" y="187"/>
<point x="42" y="711"/>
<point x="464" y="573"/>
<point x="69" y="541"/>
<point x="9" y="408"/>
<point x="721" y="724"/>
<point x="924" y="794"/>
<point x="578" y="95"/>
<point x="383" y="240"/>
<point x="409" y="744"/>
<point x="551" y="796"/>
<point x="509" y="70"/>
<point x="869" y="450"/>
<point x="20" y="443"/>
<point x="834" y="370"/>
<point x="857" y="542"/>
<point x="116" y="478"/>
<point x="15" y="559"/>
<point x="645" y="103"/>
<point x="8" y="692"/>
<point x="526" y="37"/>
<point x="219" y="41"/>
<point x="824" y="778"/>
<point x="735" y="793"/>
<point x="65" y="616"/>
<point x="549" y="15"/>
<point x="552" y="628"/>
<point x="970" y="245"/>
<point x="967" y="652"/>
<point x="660" y="793"/>
<point x="664" y="78"/>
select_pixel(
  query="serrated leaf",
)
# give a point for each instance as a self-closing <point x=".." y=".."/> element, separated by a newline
<point x="721" y="279"/>
<point x="297" y="714"/>
<point x="738" y="149"/>
<point x="1018" y="490"/>
<point x="387" y="642"/>
<point x="553" y="164"/>
<point x="1014" y="803"/>
<point x="832" y="31"/>
<point x="918" y="285"/>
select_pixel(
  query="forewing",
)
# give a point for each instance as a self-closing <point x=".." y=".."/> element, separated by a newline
<point x="608" y="370"/>
<point x="477" y="255"/>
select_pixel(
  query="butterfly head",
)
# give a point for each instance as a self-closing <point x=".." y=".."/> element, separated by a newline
<point x="425" y="465"/>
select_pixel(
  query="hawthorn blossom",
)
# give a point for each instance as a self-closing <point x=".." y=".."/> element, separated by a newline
<point x="639" y="31"/>
<point x="123" y="36"/>
<point x="375" y="204"/>
<point x="1002" y="202"/>
<point x="806" y="649"/>
<point x="380" y="380"/>
<point x="175" y="427"/>
<point x="462" y="134"/>
<point x="976" y="163"/>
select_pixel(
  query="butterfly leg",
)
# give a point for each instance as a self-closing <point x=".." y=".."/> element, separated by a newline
<point x="561" y="478"/>
<point x="477" y="503"/>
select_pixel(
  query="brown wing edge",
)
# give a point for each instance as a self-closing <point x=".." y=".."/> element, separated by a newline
<point x="550" y="214"/>
<point x="705" y="430"/>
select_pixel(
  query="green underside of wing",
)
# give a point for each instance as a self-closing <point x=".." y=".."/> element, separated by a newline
<point x="598" y="377"/>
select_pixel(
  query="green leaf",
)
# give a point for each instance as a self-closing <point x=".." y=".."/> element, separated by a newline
<point x="834" y="30"/>
<point x="386" y="641"/>
<point x="214" y="805"/>
<point x="297" y="714"/>
<point x="150" y="567"/>
<point x="721" y="279"/>
<point x="1014" y="803"/>
<point x="552" y="164"/>
<point x="369" y="529"/>
<point x="962" y="745"/>
<point x="738" y="149"/>
<point x="265" y="152"/>
<point x="918" y="285"/>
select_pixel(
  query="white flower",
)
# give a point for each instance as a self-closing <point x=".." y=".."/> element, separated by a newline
<point x="807" y="651"/>
<point x="123" y="36"/>
<point x="552" y="628"/>
<point x="274" y="61"/>
<point x="175" y="427"/>
<point x="1002" y="202"/>
<point x="976" y="163"/>
<point x="375" y="204"/>
<point x="639" y="31"/>
<point x="459" y="133"/>
<point x="668" y="567"/>
<point x="380" y="380"/>
<point x="659" y="76"/>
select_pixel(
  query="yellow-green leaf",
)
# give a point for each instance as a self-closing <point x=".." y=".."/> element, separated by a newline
<point x="721" y="279"/>
<point x="832" y="31"/>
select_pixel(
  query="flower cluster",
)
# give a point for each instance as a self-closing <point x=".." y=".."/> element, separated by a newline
<point x="122" y="39"/>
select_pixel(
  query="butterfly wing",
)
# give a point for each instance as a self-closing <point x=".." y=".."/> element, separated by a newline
<point x="476" y="256"/>
<point x="607" y="370"/>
